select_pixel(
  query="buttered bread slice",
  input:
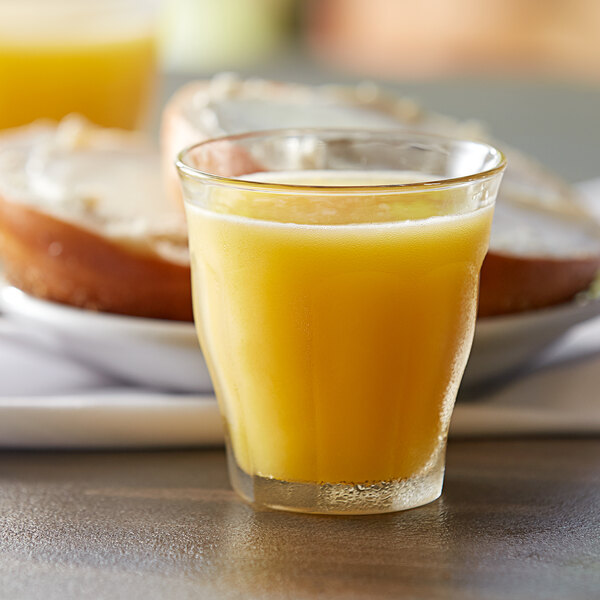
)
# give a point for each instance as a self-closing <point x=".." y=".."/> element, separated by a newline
<point x="544" y="248"/>
<point x="84" y="221"/>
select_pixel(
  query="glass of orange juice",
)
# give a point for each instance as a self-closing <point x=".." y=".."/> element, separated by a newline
<point x="335" y="280"/>
<point x="77" y="56"/>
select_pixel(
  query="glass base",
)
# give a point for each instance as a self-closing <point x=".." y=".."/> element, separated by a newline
<point x="339" y="498"/>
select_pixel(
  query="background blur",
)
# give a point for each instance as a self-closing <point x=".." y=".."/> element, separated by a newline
<point x="530" y="69"/>
<point x="391" y="38"/>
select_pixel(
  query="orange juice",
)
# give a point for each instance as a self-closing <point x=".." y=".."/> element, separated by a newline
<point x="104" y="73"/>
<point x="336" y="349"/>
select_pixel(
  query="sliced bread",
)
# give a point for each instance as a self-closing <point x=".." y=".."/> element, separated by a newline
<point x="84" y="221"/>
<point x="544" y="247"/>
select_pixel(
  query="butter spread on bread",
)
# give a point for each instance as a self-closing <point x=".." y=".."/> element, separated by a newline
<point x="83" y="220"/>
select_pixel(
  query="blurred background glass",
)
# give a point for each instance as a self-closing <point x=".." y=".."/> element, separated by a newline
<point x="96" y="58"/>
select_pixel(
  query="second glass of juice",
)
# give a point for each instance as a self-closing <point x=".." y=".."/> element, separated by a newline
<point x="95" y="58"/>
<point x="335" y="281"/>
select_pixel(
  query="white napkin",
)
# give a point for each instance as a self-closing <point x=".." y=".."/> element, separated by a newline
<point x="50" y="400"/>
<point x="32" y="364"/>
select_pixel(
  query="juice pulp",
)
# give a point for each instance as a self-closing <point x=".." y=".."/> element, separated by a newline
<point x="108" y="79"/>
<point x="336" y="350"/>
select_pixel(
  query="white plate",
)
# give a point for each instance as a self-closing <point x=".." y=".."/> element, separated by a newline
<point x="147" y="352"/>
<point x="166" y="355"/>
<point x="507" y="344"/>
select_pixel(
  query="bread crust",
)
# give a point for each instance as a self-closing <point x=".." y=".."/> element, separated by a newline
<point x="511" y="284"/>
<point x="60" y="261"/>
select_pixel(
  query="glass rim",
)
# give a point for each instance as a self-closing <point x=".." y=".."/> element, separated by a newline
<point x="429" y="185"/>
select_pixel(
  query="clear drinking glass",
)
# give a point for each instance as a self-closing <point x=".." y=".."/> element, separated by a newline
<point x="335" y="279"/>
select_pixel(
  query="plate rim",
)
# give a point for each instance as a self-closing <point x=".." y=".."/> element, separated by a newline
<point x="16" y="302"/>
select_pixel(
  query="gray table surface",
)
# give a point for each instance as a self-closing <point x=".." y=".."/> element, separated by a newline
<point x="518" y="520"/>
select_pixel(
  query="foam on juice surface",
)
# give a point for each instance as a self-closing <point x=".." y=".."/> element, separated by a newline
<point x="374" y="199"/>
<point x="341" y="178"/>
